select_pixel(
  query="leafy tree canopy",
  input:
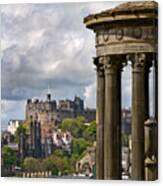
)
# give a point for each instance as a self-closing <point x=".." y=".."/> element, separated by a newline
<point x="20" y="129"/>
<point x="9" y="156"/>
<point x="31" y="164"/>
<point x="79" y="145"/>
<point x="74" y="125"/>
<point x="90" y="132"/>
<point x="59" y="163"/>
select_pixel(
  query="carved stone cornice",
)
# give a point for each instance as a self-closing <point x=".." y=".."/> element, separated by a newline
<point x="125" y="11"/>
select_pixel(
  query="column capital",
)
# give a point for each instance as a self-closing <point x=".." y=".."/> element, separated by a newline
<point x="115" y="63"/>
<point x="140" y="61"/>
<point x="99" y="63"/>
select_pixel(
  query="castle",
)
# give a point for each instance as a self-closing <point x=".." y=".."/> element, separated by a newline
<point x="50" y="115"/>
<point x="45" y="116"/>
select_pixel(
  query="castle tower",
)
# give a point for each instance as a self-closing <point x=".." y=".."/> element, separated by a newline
<point x="35" y="138"/>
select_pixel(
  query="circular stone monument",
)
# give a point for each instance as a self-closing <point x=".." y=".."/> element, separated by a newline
<point x="126" y="32"/>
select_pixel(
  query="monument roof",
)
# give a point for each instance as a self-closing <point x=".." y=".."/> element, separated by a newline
<point x="133" y="6"/>
<point x="125" y="8"/>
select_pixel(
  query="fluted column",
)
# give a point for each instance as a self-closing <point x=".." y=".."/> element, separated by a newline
<point x="112" y="123"/>
<point x="99" y="62"/>
<point x="139" y="112"/>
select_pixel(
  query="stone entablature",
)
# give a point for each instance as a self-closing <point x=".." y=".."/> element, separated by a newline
<point x="130" y="33"/>
<point x="129" y="39"/>
<point x="125" y="29"/>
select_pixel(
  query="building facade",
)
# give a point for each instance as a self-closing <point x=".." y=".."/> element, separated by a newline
<point x="50" y="115"/>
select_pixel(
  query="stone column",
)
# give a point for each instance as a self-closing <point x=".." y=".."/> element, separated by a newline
<point x="150" y="149"/>
<point x="112" y="124"/>
<point x="139" y="113"/>
<point x="156" y="89"/>
<point x="99" y="62"/>
<point x="156" y="110"/>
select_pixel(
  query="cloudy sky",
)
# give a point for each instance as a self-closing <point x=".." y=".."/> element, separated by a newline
<point x="48" y="45"/>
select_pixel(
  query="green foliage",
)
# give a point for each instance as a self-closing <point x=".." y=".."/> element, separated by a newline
<point x="50" y="165"/>
<point x="31" y="164"/>
<point x="58" y="162"/>
<point x="12" y="138"/>
<point x="9" y="156"/>
<point x="80" y="119"/>
<point x="26" y="125"/>
<point x="90" y="132"/>
<point x="20" y="129"/>
<point x="59" y="153"/>
<point x="75" y="126"/>
<point x="79" y="145"/>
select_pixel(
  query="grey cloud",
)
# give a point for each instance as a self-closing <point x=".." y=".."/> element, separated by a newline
<point x="26" y="65"/>
<point x="48" y="44"/>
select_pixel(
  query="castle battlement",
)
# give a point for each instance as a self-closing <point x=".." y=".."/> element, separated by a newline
<point x="35" y="106"/>
<point x="49" y="114"/>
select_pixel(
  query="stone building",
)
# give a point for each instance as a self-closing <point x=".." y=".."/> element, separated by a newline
<point x="50" y="114"/>
<point x="46" y="112"/>
<point x="35" y="138"/>
<point x="30" y="142"/>
<point x="85" y="165"/>
<point x="13" y="125"/>
<point x="62" y="140"/>
<point x="126" y="121"/>
<point x="47" y="146"/>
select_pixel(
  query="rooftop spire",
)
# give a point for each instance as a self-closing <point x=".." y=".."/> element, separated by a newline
<point x="48" y="94"/>
<point x="48" y="89"/>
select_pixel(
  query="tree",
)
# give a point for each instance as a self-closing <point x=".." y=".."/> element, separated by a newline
<point x="23" y="128"/>
<point x="74" y="125"/>
<point x="9" y="157"/>
<point x="90" y="132"/>
<point x="62" y="162"/>
<point x="80" y="120"/>
<point x="80" y="145"/>
<point x="12" y="138"/>
<point x="49" y="165"/>
<point x="73" y="159"/>
<point x="58" y="163"/>
<point x="31" y="164"/>
<point x="20" y="129"/>
<point x="59" y="153"/>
